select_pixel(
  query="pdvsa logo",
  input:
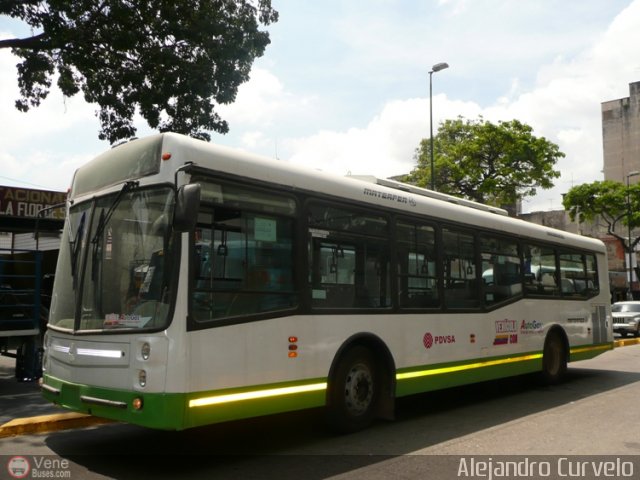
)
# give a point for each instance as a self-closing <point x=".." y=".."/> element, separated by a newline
<point x="18" y="467"/>
<point x="430" y="340"/>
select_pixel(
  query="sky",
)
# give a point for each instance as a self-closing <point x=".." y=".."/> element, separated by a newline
<point x="344" y="87"/>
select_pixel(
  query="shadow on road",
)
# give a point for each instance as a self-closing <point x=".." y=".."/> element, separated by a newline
<point x="298" y="444"/>
<point x="20" y="399"/>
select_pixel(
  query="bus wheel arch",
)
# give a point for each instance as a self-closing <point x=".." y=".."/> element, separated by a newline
<point x="361" y="385"/>
<point x="555" y="356"/>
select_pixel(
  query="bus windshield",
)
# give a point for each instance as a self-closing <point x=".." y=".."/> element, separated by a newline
<point x="114" y="263"/>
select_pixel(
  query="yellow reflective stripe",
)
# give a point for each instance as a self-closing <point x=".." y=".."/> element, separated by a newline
<point x="276" y="392"/>
<point x="591" y="348"/>
<point x="467" y="366"/>
<point x="272" y="392"/>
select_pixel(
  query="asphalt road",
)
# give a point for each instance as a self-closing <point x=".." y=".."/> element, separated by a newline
<point x="595" y="412"/>
<point x="17" y="399"/>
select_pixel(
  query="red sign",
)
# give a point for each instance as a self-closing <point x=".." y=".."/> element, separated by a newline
<point x="25" y="202"/>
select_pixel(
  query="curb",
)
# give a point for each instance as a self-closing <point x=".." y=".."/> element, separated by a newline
<point x="626" y="343"/>
<point x="49" y="423"/>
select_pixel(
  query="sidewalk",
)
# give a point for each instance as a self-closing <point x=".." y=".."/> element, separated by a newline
<point x="17" y="399"/>
<point x="23" y="410"/>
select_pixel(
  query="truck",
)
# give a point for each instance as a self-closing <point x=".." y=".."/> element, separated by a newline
<point x="24" y="302"/>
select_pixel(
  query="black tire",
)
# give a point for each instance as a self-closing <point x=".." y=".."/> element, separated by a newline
<point x="354" y="391"/>
<point x="28" y="361"/>
<point x="554" y="359"/>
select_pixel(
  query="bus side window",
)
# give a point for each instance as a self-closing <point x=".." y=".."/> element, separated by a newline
<point x="243" y="257"/>
<point x="416" y="270"/>
<point x="592" y="283"/>
<point x="541" y="276"/>
<point x="348" y="258"/>
<point x="501" y="271"/>
<point x="333" y="274"/>
<point x="578" y="275"/>
<point x="460" y="270"/>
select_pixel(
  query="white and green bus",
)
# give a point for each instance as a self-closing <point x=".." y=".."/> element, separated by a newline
<point x="198" y="284"/>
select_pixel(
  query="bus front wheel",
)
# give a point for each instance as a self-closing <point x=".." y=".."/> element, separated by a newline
<point x="554" y="359"/>
<point x="354" y="391"/>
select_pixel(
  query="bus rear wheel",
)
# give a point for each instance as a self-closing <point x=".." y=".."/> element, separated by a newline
<point x="354" y="391"/>
<point x="554" y="359"/>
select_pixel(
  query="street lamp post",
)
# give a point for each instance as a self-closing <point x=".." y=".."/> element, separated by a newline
<point x="436" y="68"/>
<point x="629" y="251"/>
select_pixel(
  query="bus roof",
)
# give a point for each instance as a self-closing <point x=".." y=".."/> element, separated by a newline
<point x="367" y="190"/>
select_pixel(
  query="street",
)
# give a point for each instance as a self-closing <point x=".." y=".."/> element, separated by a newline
<point x="593" y="413"/>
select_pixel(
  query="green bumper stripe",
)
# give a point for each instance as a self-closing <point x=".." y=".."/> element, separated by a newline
<point x="217" y="399"/>
<point x="438" y="376"/>
<point x="466" y="366"/>
<point x="222" y="405"/>
<point x="176" y="411"/>
<point x="586" y="352"/>
<point x="159" y="410"/>
<point x="444" y="375"/>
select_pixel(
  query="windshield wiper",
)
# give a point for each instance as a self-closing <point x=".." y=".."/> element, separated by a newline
<point x="75" y="248"/>
<point x="103" y="221"/>
<point x="105" y="217"/>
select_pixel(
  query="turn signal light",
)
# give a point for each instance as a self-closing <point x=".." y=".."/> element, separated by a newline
<point x="137" y="403"/>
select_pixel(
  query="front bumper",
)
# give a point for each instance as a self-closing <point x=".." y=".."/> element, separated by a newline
<point x="625" y="328"/>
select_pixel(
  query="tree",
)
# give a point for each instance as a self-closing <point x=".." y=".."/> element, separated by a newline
<point x="170" y="60"/>
<point x="487" y="163"/>
<point x="614" y="203"/>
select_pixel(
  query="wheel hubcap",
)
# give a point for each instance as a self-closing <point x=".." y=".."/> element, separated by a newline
<point x="358" y="389"/>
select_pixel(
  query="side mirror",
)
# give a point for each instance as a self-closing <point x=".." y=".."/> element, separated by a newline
<point x="185" y="214"/>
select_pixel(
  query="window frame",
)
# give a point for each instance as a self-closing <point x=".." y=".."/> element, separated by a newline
<point x="438" y="275"/>
<point x="301" y="255"/>
<point x="199" y="324"/>
<point x="352" y="238"/>
<point x="511" y="297"/>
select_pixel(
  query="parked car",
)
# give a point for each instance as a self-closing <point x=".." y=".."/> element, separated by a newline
<point x="626" y="318"/>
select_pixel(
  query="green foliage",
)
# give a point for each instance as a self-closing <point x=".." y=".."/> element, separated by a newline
<point x="614" y="203"/>
<point x="169" y="60"/>
<point x="485" y="162"/>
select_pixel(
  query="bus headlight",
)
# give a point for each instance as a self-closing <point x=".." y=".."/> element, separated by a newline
<point x="145" y="351"/>
<point x="142" y="378"/>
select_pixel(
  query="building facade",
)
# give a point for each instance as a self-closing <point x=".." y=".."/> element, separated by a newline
<point x="621" y="136"/>
<point x="621" y="154"/>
